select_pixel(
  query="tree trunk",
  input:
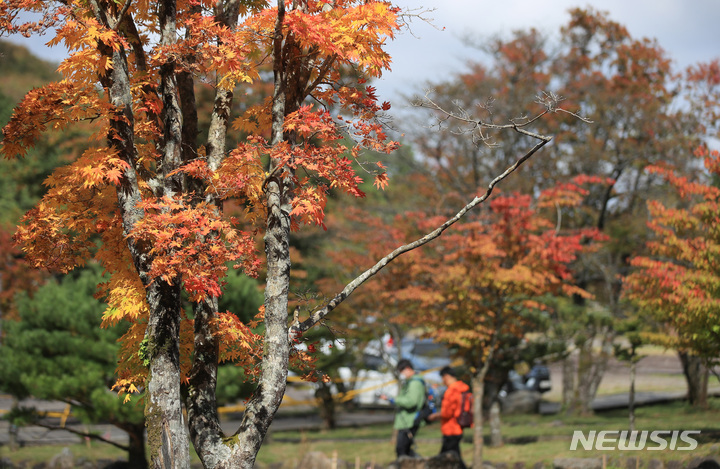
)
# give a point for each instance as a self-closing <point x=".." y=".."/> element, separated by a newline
<point x="478" y="381"/>
<point x="136" y="448"/>
<point x="167" y="432"/>
<point x="327" y="405"/>
<point x="261" y="408"/>
<point x="167" y="435"/>
<point x="590" y="371"/>
<point x="496" y="438"/>
<point x="167" y="429"/>
<point x="631" y="397"/>
<point x="696" y="376"/>
<point x="568" y="383"/>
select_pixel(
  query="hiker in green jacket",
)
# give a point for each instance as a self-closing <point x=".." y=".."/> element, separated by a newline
<point x="408" y="402"/>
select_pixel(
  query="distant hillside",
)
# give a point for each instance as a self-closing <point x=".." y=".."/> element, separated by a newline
<point x="20" y="71"/>
<point x="21" y="179"/>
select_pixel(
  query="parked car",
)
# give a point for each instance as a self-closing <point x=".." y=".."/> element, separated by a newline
<point x="377" y="378"/>
<point x="522" y="393"/>
<point x="538" y="379"/>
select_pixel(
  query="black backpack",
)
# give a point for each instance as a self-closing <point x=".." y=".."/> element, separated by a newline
<point x="427" y="408"/>
<point x="465" y="418"/>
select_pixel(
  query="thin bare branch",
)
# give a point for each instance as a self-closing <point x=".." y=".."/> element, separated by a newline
<point x="551" y="102"/>
<point x="406" y="17"/>
<point x="298" y="329"/>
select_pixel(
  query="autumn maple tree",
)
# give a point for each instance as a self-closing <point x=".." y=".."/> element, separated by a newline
<point x="642" y="111"/>
<point x="488" y="278"/>
<point x="147" y="199"/>
<point x="676" y="284"/>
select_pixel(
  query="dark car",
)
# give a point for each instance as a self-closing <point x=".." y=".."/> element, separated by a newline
<point x="522" y="394"/>
<point x="538" y="379"/>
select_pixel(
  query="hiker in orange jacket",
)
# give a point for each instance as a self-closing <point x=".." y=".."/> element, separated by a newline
<point x="449" y="411"/>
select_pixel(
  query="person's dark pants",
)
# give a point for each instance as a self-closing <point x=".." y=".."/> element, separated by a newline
<point x="404" y="443"/>
<point x="451" y="443"/>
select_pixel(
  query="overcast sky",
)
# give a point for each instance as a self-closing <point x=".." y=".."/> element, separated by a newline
<point x="687" y="29"/>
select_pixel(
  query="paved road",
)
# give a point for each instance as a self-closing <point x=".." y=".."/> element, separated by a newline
<point x="621" y="401"/>
<point x="32" y="435"/>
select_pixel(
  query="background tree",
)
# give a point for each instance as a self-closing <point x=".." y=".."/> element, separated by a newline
<point x="57" y="351"/>
<point x="676" y="285"/>
<point x="632" y="331"/>
<point x="21" y="182"/>
<point x="628" y="88"/>
<point x="243" y="294"/>
<point x="484" y="285"/>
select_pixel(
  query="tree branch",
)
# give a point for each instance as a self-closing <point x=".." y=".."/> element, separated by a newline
<point x="83" y="434"/>
<point x="121" y="14"/>
<point x="296" y="330"/>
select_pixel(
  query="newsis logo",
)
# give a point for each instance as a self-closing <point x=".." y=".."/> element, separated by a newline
<point x="658" y="440"/>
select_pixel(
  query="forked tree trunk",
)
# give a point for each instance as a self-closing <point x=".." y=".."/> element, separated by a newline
<point x="167" y="429"/>
<point x="591" y="366"/>
<point x="167" y="435"/>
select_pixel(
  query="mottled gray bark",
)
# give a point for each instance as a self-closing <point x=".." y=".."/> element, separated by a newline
<point x="204" y="422"/>
<point x="240" y="450"/>
<point x="167" y="431"/>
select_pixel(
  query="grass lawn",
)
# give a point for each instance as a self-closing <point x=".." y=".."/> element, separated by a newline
<point x="529" y="438"/>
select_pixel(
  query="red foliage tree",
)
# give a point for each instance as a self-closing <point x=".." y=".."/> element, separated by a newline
<point x="677" y="284"/>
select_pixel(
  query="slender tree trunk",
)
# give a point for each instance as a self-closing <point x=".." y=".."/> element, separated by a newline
<point x="496" y="438"/>
<point x="478" y="381"/>
<point x="204" y="421"/>
<point x="631" y="397"/>
<point x="585" y="373"/>
<point x="478" y="385"/>
<point x="261" y="408"/>
<point x="167" y="435"/>
<point x="327" y="406"/>
<point x="167" y="429"/>
<point x="568" y="383"/>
